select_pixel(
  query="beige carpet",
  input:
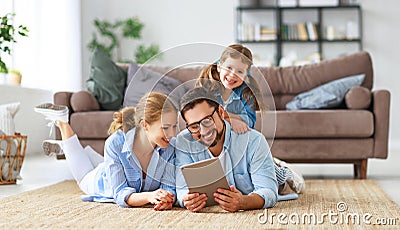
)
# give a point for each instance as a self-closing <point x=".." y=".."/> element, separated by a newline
<point x="329" y="201"/>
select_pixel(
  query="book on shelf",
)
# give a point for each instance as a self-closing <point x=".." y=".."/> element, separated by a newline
<point x="312" y="31"/>
<point x="302" y="31"/>
<point x="255" y="32"/>
<point x="246" y="32"/>
<point x="267" y="34"/>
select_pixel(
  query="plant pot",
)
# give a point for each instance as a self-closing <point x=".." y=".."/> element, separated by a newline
<point x="14" y="79"/>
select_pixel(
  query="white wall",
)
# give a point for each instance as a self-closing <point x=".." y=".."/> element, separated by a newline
<point x="171" y="23"/>
<point x="50" y="57"/>
<point x="381" y="23"/>
<point x="27" y="122"/>
<point x="167" y="23"/>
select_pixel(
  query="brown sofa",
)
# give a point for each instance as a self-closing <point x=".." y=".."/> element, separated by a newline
<point x="349" y="133"/>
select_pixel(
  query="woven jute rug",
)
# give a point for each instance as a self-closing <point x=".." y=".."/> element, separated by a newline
<point x="327" y="204"/>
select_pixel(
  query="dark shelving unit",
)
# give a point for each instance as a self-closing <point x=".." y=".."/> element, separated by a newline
<point x="279" y="21"/>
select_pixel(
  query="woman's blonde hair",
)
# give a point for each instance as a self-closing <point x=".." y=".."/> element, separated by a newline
<point x="233" y="51"/>
<point x="149" y="108"/>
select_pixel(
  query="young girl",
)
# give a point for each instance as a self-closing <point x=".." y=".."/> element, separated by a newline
<point x="232" y="70"/>
<point x="138" y="165"/>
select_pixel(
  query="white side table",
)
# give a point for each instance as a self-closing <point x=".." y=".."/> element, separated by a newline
<point x="27" y="121"/>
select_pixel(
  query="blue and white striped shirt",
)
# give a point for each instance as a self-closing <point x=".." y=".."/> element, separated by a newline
<point x="121" y="173"/>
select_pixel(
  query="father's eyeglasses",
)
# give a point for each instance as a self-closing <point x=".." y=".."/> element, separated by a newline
<point x="205" y="122"/>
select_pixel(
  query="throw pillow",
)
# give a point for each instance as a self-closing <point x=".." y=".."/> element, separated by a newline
<point x="7" y="113"/>
<point x="358" y="98"/>
<point x="142" y="80"/>
<point x="106" y="81"/>
<point x="328" y="95"/>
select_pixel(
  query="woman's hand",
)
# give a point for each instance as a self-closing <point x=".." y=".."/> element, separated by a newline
<point x="161" y="195"/>
<point x="161" y="206"/>
<point x="162" y="199"/>
<point x="194" y="201"/>
<point x="230" y="200"/>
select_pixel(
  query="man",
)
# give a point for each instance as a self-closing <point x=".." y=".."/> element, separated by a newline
<point x="246" y="158"/>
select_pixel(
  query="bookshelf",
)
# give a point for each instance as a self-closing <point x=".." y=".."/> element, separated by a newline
<point x="315" y="26"/>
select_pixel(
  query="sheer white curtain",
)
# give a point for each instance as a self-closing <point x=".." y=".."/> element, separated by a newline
<point x="50" y="58"/>
<point x="6" y="6"/>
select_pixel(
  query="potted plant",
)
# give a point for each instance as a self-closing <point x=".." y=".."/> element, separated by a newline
<point x="8" y="35"/>
<point x="127" y="28"/>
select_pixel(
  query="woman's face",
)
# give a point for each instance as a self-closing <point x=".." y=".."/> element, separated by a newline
<point x="232" y="72"/>
<point x="160" y="132"/>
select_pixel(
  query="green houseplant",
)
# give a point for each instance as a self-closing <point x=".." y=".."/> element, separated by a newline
<point x="8" y="35"/>
<point x="111" y="33"/>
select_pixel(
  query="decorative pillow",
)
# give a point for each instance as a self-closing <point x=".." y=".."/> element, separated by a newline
<point x="106" y="81"/>
<point x="7" y="113"/>
<point x="84" y="101"/>
<point x="358" y="98"/>
<point x="142" y="80"/>
<point x="328" y="95"/>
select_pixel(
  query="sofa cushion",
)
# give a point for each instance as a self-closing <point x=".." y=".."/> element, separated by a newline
<point x="338" y="123"/>
<point x="328" y="95"/>
<point x="142" y="80"/>
<point x="106" y="81"/>
<point x="323" y="150"/>
<point x="182" y="73"/>
<point x="293" y="80"/>
<point x="358" y="98"/>
<point x="92" y="124"/>
<point x="84" y="101"/>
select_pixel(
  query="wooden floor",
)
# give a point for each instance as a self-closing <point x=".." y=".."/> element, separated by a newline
<point x="39" y="170"/>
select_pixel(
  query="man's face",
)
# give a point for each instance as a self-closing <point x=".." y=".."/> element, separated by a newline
<point x="209" y="122"/>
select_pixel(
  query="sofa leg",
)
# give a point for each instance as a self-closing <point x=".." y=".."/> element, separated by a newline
<point x="363" y="169"/>
<point x="360" y="169"/>
<point x="356" y="170"/>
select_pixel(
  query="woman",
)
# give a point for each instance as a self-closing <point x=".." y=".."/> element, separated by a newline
<point x="138" y="165"/>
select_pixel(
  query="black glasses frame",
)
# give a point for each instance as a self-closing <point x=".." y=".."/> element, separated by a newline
<point x="196" y="126"/>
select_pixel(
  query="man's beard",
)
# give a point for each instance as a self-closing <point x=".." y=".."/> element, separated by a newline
<point x="217" y="138"/>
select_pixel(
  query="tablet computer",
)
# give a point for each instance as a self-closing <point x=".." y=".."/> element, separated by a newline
<point x="205" y="176"/>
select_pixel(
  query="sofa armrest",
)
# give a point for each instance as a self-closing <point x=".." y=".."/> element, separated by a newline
<point x="63" y="98"/>
<point x="381" y="110"/>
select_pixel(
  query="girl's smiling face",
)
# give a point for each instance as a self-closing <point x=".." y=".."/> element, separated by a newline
<point x="232" y="72"/>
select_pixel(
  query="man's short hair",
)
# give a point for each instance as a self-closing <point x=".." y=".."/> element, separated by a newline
<point x="196" y="96"/>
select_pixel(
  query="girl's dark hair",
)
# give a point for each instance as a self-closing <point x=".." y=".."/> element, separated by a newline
<point x="233" y="51"/>
<point x="196" y="96"/>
